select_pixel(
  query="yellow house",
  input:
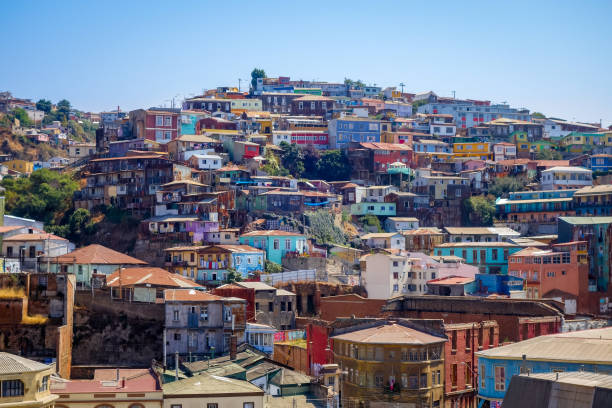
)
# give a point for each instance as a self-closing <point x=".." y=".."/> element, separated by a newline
<point x="22" y="166"/>
<point x="183" y="260"/>
<point x="25" y="383"/>
<point x="472" y="149"/>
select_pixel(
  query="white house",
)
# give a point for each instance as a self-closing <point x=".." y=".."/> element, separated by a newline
<point x="33" y="246"/>
<point x="393" y="224"/>
<point x="386" y="240"/>
<point x="377" y="194"/>
<point x="206" y="161"/>
<point x="560" y="178"/>
<point x="504" y="151"/>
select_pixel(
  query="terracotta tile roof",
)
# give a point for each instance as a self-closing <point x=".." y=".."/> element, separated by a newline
<point x="450" y="280"/>
<point x="313" y="98"/>
<point x="34" y="237"/>
<point x="136" y="380"/>
<point x="98" y="254"/>
<point x="151" y="276"/>
<point x="189" y="295"/>
<point x="385" y="146"/>
<point x="8" y="228"/>
<point x="390" y="334"/>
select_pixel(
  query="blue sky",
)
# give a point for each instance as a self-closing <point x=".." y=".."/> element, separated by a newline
<point x="549" y="56"/>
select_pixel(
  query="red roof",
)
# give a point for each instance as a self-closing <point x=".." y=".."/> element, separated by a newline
<point x="148" y="276"/>
<point x="385" y="146"/>
<point x="98" y="254"/>
<point x="7" y="228"/>
<point x="189" y="295"/>
<point x="34" y="237"/>
<point x="451" y="280"/>
<point x="136" y="380"/>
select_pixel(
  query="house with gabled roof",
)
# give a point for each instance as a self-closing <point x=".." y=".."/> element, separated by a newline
<point x="89" y="262"/>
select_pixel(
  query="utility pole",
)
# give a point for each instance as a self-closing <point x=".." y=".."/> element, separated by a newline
<point x="453" y="94"/>
<point x="239" y="81"/>
<point x="402" y="85"/>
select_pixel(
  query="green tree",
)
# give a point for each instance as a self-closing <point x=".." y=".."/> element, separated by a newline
<point x="292" y="159"/>
<point x="478" y="211"/>
<point x="503" y="185"/>
<point x="272" y="166"/>
<point x="334" y="165"/>
<point x="548" y="154"/>
<point x="255" y="74"/>
<point x="23" y="117"/>
<point x="80" y="225"/>
<point x="272" y="267"/>
<point x="44" y="105"/>
<point x="232" y="276"/>
<point x="371" y="221"/>
<point x="538" y="115"/>
<point x="45" y="195"/>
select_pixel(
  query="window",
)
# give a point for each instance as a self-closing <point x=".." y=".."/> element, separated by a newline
<point x="276" y="244"/>
<point x="44" y="385"/>
<point x="270" y="306"/>
<point x="287" y="244"/>
<point x="168" y="136"/>
<point x="453" y="375"/>
<point x="177" y="336"/>
<point x="483" y="376"/>
<point x="500" y="378"/>
<point x="424" y="380"/>
<point x="176" y="406"/>
<point x="378" y="380"/>
<point x="175" y="315"/>
<point x="413" y="382"/>
<point x="159" y="120"/>
<point x="212" y="405"/>
<point x="203" y="312"/>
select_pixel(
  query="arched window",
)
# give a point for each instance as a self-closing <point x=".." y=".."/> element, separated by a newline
<point x="104" y="406"/>
<point x="136" y="406"/>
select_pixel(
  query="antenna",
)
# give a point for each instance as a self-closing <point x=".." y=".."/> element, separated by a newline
<point x="454" y="95"/>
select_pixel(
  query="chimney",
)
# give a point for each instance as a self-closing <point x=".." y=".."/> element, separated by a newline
<point x="233" y="347"/>
<point x="117" y="376"/>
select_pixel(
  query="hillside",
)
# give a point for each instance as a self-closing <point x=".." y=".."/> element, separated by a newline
<point x="22" y="147"/>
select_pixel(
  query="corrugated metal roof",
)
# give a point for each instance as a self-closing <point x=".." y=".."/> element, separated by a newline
<point x="582" y="346"/>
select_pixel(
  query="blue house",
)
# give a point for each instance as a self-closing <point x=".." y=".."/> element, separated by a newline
<point x="587" y="350"/>
<point x="498" y="284"/>
<point x="245" y="259"/>
<point x="489" y="257"/>
<point x="276" y="244"/>
<point x="342" y="131"/>
<point x="601" y="162"/>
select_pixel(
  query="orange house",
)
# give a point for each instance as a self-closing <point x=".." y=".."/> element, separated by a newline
<point x="561" y="273"/>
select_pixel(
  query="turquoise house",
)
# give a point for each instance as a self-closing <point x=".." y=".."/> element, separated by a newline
<point x="189" y="121"/>
<point x="489" y="257"/>
<point x="380" y="209"/>
<point x="586" y="350"/>
<point x="277" y="244"/>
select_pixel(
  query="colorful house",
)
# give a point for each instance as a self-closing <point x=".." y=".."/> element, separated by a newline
<point x="473" y="149"/>
<point x="535" y="206"/>
<point x="379" y="209"/>
<point x="593" y="200"/>
<point x="601" y="162"/>
<point x="277" y="244"/>
<point x="21" y="166"/>
<point x="563" y="269"/>
<point x="489" y="257"/>
<point x="210" y="264"/>
<point x="587" y="350"/>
